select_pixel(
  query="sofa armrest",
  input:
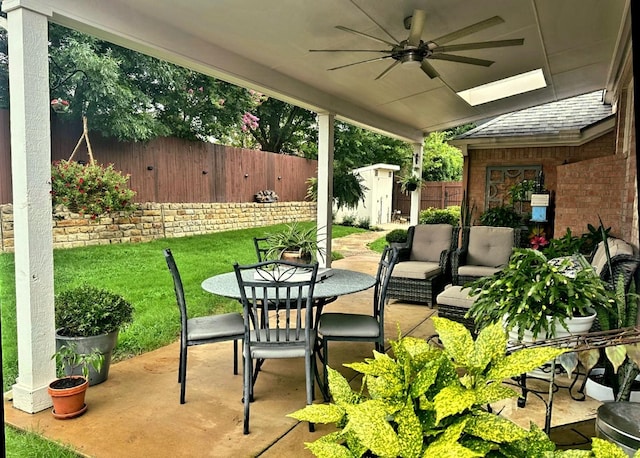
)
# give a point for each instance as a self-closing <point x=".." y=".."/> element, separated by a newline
<point x="403" y="253"/>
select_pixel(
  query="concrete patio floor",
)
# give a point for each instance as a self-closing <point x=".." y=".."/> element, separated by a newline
<point x="136" y="412"/>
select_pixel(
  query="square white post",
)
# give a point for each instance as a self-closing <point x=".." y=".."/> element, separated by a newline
<point x="325" y="184"/>
<point x="31" y="174"/>
<point x="416" y="195"/>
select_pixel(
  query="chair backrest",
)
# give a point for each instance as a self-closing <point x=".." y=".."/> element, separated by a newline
<point x="287" y="288"/>
<point x="490" y="246"/>
<point x="261" y="248"/>
<point x="387" y="262"/>
<point x="616" y="248"/>
<point x="177" y="287"/>
<point x="428" y="241"/>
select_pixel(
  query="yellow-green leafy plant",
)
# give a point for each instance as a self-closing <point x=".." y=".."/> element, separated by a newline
<point x="431" y="400"/>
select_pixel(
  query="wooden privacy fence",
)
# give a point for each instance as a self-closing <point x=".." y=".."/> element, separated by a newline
<point x="175" y="170"/>
<point x="435" y="194"/>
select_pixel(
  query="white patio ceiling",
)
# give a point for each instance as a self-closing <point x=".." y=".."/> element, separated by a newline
<point x="264" y="45"/>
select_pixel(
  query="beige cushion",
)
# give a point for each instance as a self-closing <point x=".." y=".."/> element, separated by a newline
<point x="455" y="296"/>
<point x="490" y="246"/>
<point x="616" y="247"/>
<point x="418" y="270"/>
<point x="429" y="240"/>
<point x="477" y="271"/>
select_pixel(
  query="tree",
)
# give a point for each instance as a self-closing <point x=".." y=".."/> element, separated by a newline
<point x="441" y="161"/>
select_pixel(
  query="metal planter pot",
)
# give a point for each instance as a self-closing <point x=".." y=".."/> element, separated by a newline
<point x="105" y="343"/>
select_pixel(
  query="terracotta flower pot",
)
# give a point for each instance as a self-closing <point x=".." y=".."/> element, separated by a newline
<point x="68" y="394"/>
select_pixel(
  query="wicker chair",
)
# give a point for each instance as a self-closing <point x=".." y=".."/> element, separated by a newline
<point x="423" y="266"/>
<point x="484" y="251"/>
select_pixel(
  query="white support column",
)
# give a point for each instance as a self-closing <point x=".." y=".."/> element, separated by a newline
<point x="325" y="184"/>
<point x="415" y="195"/>
<point x="31" y="174"/>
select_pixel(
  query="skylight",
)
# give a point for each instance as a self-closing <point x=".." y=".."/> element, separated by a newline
<point x="501" y="89"/>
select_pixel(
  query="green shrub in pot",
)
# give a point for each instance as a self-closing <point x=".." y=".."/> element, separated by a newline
<point x="88" y="311"/>
<point x="530" y="289"/>
<point x="396" y="236"/>
<point x="90" y="318"/>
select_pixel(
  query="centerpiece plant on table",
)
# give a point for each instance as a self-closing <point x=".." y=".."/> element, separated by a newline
<point x="431" y="400"/>
<point x="294" y="242"/>
<point x="535" y="294"/>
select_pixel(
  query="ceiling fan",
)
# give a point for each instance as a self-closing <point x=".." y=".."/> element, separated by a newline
<point x="413" y="51"/>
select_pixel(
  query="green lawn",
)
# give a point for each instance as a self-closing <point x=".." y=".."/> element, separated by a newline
<point x="139" y="272"/>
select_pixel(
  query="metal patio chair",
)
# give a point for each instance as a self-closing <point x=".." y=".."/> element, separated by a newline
<point x="282" y="330"/>
<point x="353" y="327"/>
<point x="201" y="330"/>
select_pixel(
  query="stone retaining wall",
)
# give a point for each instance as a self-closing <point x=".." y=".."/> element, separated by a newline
<point x="167" y="220"/>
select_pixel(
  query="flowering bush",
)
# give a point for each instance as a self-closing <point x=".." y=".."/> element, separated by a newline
<point x="91" y="189"/>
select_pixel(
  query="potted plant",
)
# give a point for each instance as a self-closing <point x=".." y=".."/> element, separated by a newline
<point x="501" y="216"/>
<point x="431" y="401"/>
<point x="409" y="182"/>
<point x="535" y="295"/>
<point x="294" y="243"/>
<point x="89" y="318"/>
<point x="68" y="392"/>
<point x="396" y="237"/>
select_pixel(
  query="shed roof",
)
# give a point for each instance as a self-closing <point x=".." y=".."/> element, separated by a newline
<point x="575" y="113"/>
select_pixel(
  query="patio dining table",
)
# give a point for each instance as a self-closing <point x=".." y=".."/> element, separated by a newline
<point x="338" y="283"/>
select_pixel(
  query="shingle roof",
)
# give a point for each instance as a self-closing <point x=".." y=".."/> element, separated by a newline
<point x="574" y="113"/>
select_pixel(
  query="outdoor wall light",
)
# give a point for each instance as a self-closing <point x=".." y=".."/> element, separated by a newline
<point x="149" y="167"/>
<point x="204" y="172"/>
<point x="279" y="178"/>
<point x="246" y="175"/>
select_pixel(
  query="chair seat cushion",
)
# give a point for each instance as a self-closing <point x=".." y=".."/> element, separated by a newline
<point x="477" y="271"/>
<point x="348" y="325"/>
<point x="456" y="296"/>
<point x="215" y="326"/>
<point x="419" y="270"/>
<point x="293" y="348"/>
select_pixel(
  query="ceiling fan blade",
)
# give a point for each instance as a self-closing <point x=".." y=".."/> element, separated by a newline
<point x="479" y="45"/>
<point x="395" y="41"/>
<point x="462" y="59"/>
<point x="429" y="70"/>
<point x="359" y="62"/>
<point x="418" y="20"/>
<point x="371" y="37"/>
<point x="387" y="70"/>
<point x="473" y="28"/>
<point x="388" y="51"/>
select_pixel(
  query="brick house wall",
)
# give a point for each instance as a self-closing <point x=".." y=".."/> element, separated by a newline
<point x="549" y="157"/>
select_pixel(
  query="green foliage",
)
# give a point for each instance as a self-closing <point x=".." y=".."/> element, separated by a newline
<point x="430" y="401"/>
<point x="441" y="161"/>
<point x="22" y="443"/>
<point x="294" y="237"/>
<point x="348" y="190"/>
<point x="530" y="289"/>
<point x="89" y="311"/>
<point x="68" y="359"/>
<point x="502" y="216"/>
<point x="90" y="189"/>
<point x="364" y="223"/>
<point x="592" y="237"/>
<point x="396" y="236"/>
<point x="349" y="220"/>
<point x="449" y="215"/>
<point x="521" y="191"/>
<point x="566" y="245"/>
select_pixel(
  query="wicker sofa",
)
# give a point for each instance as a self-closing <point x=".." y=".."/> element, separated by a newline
<point x="423" y="266"/>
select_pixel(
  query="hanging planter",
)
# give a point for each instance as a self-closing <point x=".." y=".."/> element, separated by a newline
<point x="92" y="189"/>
